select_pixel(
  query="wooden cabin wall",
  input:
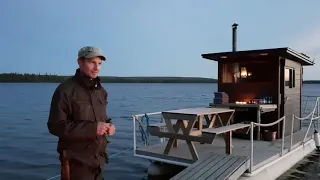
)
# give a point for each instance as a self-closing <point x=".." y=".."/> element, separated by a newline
<point x="293" y="104"/>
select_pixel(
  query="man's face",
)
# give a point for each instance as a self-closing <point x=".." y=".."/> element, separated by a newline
<point x="91" y="67"/>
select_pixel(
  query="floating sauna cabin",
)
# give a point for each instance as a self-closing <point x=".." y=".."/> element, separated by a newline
<point x="254" y="74"/>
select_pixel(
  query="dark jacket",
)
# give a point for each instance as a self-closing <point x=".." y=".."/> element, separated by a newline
<point x="78" y="104"/>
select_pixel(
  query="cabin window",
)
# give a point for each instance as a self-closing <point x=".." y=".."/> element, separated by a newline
<point x="289" y="77"/>
<point x="230" y="73"/>
<point x="238" y="72"/>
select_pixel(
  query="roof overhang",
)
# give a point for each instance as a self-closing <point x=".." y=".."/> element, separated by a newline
<point x="280" y="52"/>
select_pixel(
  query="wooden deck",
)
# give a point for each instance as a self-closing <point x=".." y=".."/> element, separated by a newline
<point x="264" y="151"/>
<point x="215" y="166"/>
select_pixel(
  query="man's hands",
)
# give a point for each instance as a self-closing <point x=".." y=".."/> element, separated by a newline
<point x="111" y="130"/>
<point x="105" y="128"/>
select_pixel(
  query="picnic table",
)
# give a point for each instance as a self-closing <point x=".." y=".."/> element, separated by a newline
<point x="185" y="119"/>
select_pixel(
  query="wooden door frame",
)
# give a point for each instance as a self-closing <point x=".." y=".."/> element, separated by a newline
<point x="281" y="93"/>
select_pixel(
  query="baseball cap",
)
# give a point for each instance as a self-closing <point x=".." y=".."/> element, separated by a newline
<point x="90" y="52"/>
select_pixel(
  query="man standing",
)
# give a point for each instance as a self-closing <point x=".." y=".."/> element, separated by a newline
<point x="78" y="117"/>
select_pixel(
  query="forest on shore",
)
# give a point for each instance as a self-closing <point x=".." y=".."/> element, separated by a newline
<point x="52" y="78"/>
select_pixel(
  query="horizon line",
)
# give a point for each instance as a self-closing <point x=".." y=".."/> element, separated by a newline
<point x="127" y="76"/>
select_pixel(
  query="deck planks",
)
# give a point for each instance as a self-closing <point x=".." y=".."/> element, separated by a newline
<point x="214" y="166"/>
<point x="199" y="165"/>
<point x="234" y="172"/>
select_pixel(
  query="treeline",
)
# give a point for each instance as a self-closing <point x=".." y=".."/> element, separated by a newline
<point x="311" y="82"/>
<point x="52" y="78"/>
<point x="111" y="79"/>
<point x="17" y="77"/>
<point x="41" y="78"/>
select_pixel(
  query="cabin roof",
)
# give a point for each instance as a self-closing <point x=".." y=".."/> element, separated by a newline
<point x="283" y="52"/>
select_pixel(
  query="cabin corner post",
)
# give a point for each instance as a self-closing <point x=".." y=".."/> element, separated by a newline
<point x="280" y="93"/>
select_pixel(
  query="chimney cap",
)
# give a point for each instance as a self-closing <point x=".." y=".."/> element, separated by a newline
<point x="234" y="25"/>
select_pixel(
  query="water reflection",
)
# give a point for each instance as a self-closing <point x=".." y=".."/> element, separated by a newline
<point x="306" y="169"/>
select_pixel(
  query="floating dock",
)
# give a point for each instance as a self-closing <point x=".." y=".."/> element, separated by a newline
<point x="266" y="155"/>
<point x="264" y="151"/>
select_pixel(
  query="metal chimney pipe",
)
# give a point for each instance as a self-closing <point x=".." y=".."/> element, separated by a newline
<point x="234" y="37"/>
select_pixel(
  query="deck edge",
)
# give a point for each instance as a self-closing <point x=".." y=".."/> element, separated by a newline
<point x="279" y="166"/>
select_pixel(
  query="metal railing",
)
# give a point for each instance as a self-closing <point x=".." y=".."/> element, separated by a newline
<point x="310" y="117"/>
<point x="305" y="104"/>
<point x="253" y="124"/>
<point x="306" y="107"/>
<point x="144" y="130"/>
<point x="315" y="109"/>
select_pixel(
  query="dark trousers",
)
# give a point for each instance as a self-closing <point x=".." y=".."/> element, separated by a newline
<point x="81" y="172"/>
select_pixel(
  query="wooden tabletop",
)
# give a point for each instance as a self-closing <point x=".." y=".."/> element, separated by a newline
<point x="199" y="111"/>
<point x="262" y="106"/>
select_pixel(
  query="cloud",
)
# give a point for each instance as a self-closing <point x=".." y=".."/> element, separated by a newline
<point x="309" y="44"/>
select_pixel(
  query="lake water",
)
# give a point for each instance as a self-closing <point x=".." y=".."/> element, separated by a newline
<point x="28" y="151"/>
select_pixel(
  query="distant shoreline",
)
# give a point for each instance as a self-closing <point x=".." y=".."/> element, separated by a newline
<point x="48" y="78"/>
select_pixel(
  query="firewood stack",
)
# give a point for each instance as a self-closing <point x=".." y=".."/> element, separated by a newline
<point x="221" y="98"/>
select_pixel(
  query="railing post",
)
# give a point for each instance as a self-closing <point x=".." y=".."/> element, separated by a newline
<point x="318" y="113"/>
<point x="283" y="133"/>
<point x="251" y="152"/>
<point x="134" y="134"/>
<point x="305" y="107"/>
<point x="162" y="129"/>
<point x="311" y="120"/>
<point x="162" y="139"/>
<point x="291" y="134"/>
<point x="305" y="137"/>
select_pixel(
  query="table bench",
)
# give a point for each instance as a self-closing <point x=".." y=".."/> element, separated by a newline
<point x="224" y="129"/>
<point x="213" y="132"/>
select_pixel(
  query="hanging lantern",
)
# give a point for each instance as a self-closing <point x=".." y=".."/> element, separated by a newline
<point x="243" y="72"/>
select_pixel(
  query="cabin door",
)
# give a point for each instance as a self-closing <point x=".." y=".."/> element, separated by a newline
<point x="291" y="96"/>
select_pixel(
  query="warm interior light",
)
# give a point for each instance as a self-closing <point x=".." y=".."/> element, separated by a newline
<point x="223" y="57"/>
<point x="241" y="102"/>
<point x="243" y="72"/>
<point x="263" y="54"/>
<point x="249" y="73"/>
